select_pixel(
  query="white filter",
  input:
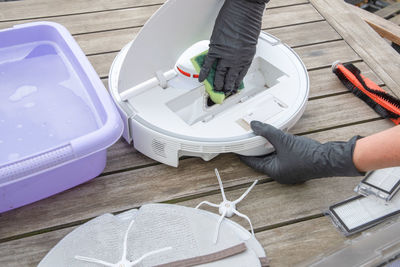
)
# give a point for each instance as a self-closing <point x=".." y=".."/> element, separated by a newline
<point x="360" y="213"/>
<point x="382" y="183"/>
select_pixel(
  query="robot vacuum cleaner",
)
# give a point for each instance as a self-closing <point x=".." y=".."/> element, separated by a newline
<point x="167" y="112"/>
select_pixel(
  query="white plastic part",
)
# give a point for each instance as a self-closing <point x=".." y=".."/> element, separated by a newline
<point x="124" y="262"/>
<point x="228" y="208"/>
<point x="159" y="80"/>
<point x="184" y="62"/>
<point x="335" y="64"/>
<point x="168" y="123"/>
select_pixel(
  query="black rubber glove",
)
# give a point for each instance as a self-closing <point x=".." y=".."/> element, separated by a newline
<point x="233" y="43"/>
<point x="297" y="159"/>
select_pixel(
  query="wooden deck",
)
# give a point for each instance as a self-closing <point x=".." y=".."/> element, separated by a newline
<point x="288" y="220"/>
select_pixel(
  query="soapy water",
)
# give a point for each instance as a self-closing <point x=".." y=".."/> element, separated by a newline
<point x="30" y="105"/>
<point x="43" y="102"/>
<point x="13" y="156"/>
<point x="23" y="92"/>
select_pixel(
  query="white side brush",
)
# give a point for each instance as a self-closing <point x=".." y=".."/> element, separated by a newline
<point x="228" y="208"/>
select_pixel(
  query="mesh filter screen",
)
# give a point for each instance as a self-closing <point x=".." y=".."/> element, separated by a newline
<point x="386" y="179"/>
<point x="359" y="213"/>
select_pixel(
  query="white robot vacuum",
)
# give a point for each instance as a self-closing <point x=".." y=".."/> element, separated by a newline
<point x="166" y="111"/>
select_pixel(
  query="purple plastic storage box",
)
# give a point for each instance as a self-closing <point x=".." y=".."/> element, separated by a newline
<point x="56" y="117"/>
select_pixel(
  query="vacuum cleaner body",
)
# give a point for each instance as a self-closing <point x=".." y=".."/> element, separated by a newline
<point x="166" y="111"/>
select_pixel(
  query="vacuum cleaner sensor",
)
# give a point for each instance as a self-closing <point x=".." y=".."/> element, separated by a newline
<point x="167" y="112"/>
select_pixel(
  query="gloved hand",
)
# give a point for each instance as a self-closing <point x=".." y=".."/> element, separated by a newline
<point x="233" y="43"/>
<point x="297" y="159"/>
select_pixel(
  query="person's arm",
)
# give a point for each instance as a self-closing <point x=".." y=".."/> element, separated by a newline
<point x="378" y="151"/>
<point x="297" y="158"/>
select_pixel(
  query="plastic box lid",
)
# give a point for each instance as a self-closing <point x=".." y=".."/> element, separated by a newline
<point x="54" y="109"/>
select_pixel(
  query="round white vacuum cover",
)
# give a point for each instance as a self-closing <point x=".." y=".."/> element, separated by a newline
<point x="167" y="111"/>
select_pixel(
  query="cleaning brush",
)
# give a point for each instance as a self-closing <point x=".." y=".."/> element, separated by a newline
<point x="216" y="96"/>
<point x="386" y="105"/>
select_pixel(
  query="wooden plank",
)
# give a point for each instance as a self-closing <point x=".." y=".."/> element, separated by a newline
<point x="388" y="11"/>
<point x="323" y="55"/>
<point x="272" y="204"/>
<point x="324" y="82"/>
<point x="345" y="133"/>
<point x="136" y="17"/>
<point x="365" y="41"/>
<point x="99" y="21"/>
<point x="383" y="27"/>
<point x="130" y="189"/>
<point x="293" y="244"/>
<point x="304" y="34"/>
<point x="280" y="3"/>
<point x="30" y="251"/>
<point x="29" y="9"/>
<point x="123" y="156"/>
<point x="111" y="41"/>
<point x="291" y="15"/>
<point x="102" y="63"/>
<point x="396" y="20"/>
<point x="333" y="111"/>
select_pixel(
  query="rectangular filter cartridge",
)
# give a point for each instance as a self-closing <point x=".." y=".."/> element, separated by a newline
<point x="359" y="213"/>
<point x="381" y="183"/>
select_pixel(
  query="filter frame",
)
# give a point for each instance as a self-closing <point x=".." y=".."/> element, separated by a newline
<point x="395" y="188"/>
<point x="343" y="226"/>
<point x="389" y="194"/>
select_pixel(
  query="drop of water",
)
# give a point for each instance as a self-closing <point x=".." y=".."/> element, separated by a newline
<point x="1" y="141"/>
<point x="19" y="139"/>
<point x="19" y="126"/>
<point x="51" y="135"/>
<point x="22" y="92"/>
<point x="30" y="105"/>
<point x="13" y="156"/>
<point x="2" y="121"/>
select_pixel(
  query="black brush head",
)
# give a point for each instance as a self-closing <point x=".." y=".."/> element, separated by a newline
<point x="382" y="111"/>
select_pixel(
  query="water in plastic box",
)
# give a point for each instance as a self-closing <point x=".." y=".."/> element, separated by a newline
<point x="42" y="101"/>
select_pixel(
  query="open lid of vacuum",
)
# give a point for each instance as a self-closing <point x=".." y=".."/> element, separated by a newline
<point x="156" y="88"/>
